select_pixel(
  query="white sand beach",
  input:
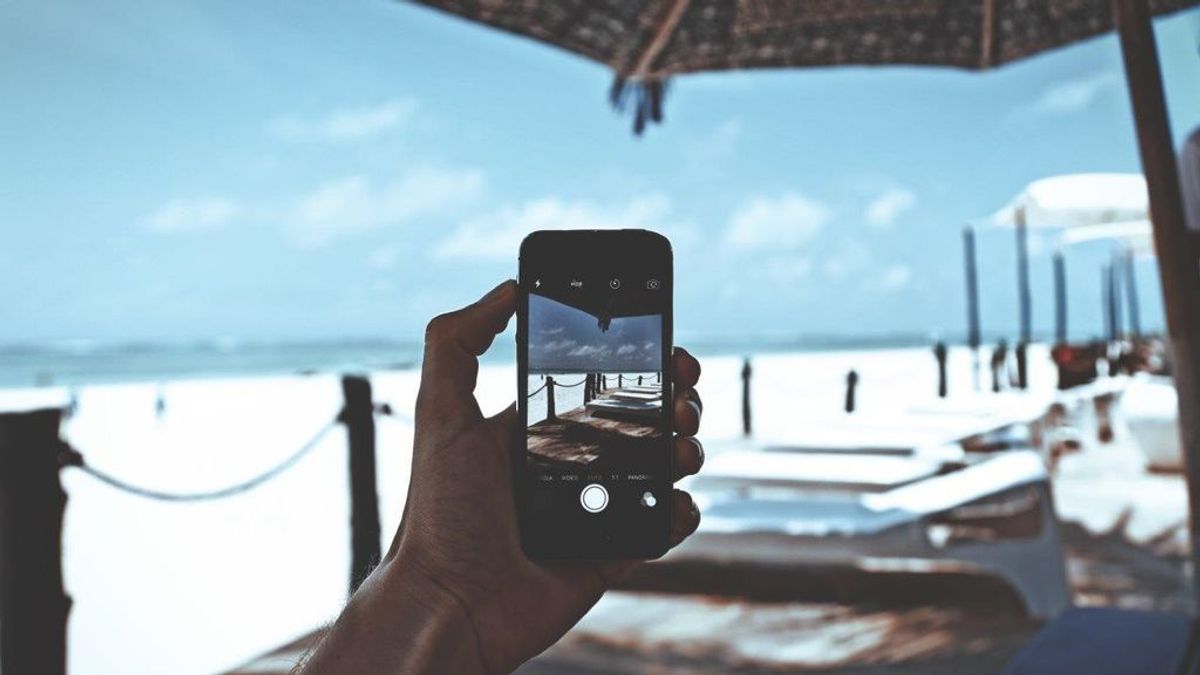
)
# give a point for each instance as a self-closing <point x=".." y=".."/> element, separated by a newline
<point x="198" y="588"/>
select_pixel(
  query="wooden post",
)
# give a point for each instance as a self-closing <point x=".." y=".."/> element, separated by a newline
<point x="851" y="385"/>
<point x="587" y="387"/>
<point x="1176" y="250"/>
<point x="1131" y="295"/>
<point x="746" y="374"/>
<point x="33" y="604"/>
<point x="941" y="353"/>
<point x="1026" y="303"/>
<point x="639" y="380"/>
<point x="973" y="333"/>
<point x="550" y="414"/>
<point x="359" y="417"/>
<point x="1108" y="299"/>
<point x="604" y="383"/>
<point x="1060" y="298"/>
<point x="1114" y="287"/>
<point x="620" y="380"/>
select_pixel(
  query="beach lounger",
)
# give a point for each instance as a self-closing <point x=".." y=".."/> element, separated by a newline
<point x="1091" y="640"/>
<point x="618" y="409"/>
<point x="625" y="395"/>
<point x="993" y="517"/>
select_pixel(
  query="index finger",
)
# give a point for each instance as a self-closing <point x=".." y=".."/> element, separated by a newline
<point x="452" y="344"/>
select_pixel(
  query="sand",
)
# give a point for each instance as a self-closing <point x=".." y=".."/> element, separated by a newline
<point x="199" y="588"/>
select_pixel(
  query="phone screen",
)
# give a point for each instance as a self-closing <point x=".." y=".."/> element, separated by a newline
<point x="594" y="343"/>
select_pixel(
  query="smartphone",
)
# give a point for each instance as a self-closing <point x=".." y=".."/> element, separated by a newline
<point x="593" y="467"/>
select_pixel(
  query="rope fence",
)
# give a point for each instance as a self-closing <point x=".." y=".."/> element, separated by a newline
<point x="74" y="458"/>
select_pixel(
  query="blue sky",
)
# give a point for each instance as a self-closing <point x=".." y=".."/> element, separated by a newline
<point x="315" y="170"/>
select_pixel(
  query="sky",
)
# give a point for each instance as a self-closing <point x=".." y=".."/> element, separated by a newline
<point x="307" y="170"/>
<point x="563" y="339"/>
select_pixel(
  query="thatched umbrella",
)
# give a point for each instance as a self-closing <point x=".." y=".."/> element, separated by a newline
<point x="646" y="42"/>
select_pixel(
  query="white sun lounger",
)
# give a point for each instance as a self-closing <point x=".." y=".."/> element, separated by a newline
<point x="641" y="410"/>
<point x="994" y="517"/>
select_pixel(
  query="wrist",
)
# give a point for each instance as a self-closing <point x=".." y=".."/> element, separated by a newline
<point x="400" y="621"/>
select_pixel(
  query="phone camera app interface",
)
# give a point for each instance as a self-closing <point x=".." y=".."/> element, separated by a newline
<point x="596" y="432"/>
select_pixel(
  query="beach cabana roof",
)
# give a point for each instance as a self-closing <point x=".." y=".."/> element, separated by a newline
<point x="1081" y="200"/>
<point x="1134" y="235"/>
<point x="606" y="306"/>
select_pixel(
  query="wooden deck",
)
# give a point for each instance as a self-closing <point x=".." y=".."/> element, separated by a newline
<point x="592" y="436"/>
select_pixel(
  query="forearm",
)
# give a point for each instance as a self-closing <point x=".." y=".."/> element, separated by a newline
<point x="397" y="624"/>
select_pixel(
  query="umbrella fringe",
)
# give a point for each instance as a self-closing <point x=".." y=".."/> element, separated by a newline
<point x="647" y="96"/>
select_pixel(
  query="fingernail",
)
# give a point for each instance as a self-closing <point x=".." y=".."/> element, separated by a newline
<point x="693" y="396"/>
<point x="696" y="407"/>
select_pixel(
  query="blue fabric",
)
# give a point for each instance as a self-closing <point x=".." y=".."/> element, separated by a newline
<point x="1106" y="641"/>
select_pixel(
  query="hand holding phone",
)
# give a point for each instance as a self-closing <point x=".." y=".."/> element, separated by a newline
<point x="455" y="592"/>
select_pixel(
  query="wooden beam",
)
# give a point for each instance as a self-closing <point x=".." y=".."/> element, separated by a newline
<point x="1175" y="247"/>
<point x="643" y="65"/>
<point x="1025" y="298"/>
<point x="33" y="604"/>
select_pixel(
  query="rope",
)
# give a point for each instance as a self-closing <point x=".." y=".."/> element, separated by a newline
<point x="535" y="392"/>
<point x="77" y="460"/>
<point x="568" y="386"/>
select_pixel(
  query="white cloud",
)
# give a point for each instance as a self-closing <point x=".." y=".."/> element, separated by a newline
<point x="883" y="211"/>
<point x="355" y="204"/>
<point x="1072" y="95"/>
<point x="197" y="214"/>
<point x="788" y="220"/>
<point x="625" y="350"/>
<point x="344" y="124"/>
<point x="338" y="208"/>
<point x="589" y="351"/>
<point x="497" y="236"/>
<point x="894" y="278"/>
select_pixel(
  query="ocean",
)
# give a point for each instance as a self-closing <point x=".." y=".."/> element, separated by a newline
<point x="83" y="362"/>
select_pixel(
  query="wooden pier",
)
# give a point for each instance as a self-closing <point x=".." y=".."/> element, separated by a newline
<point x="610" y="429"/>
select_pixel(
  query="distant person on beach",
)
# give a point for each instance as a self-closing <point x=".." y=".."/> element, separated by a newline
<point x="455" y="593"/>
<point x="999" y="363"/>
